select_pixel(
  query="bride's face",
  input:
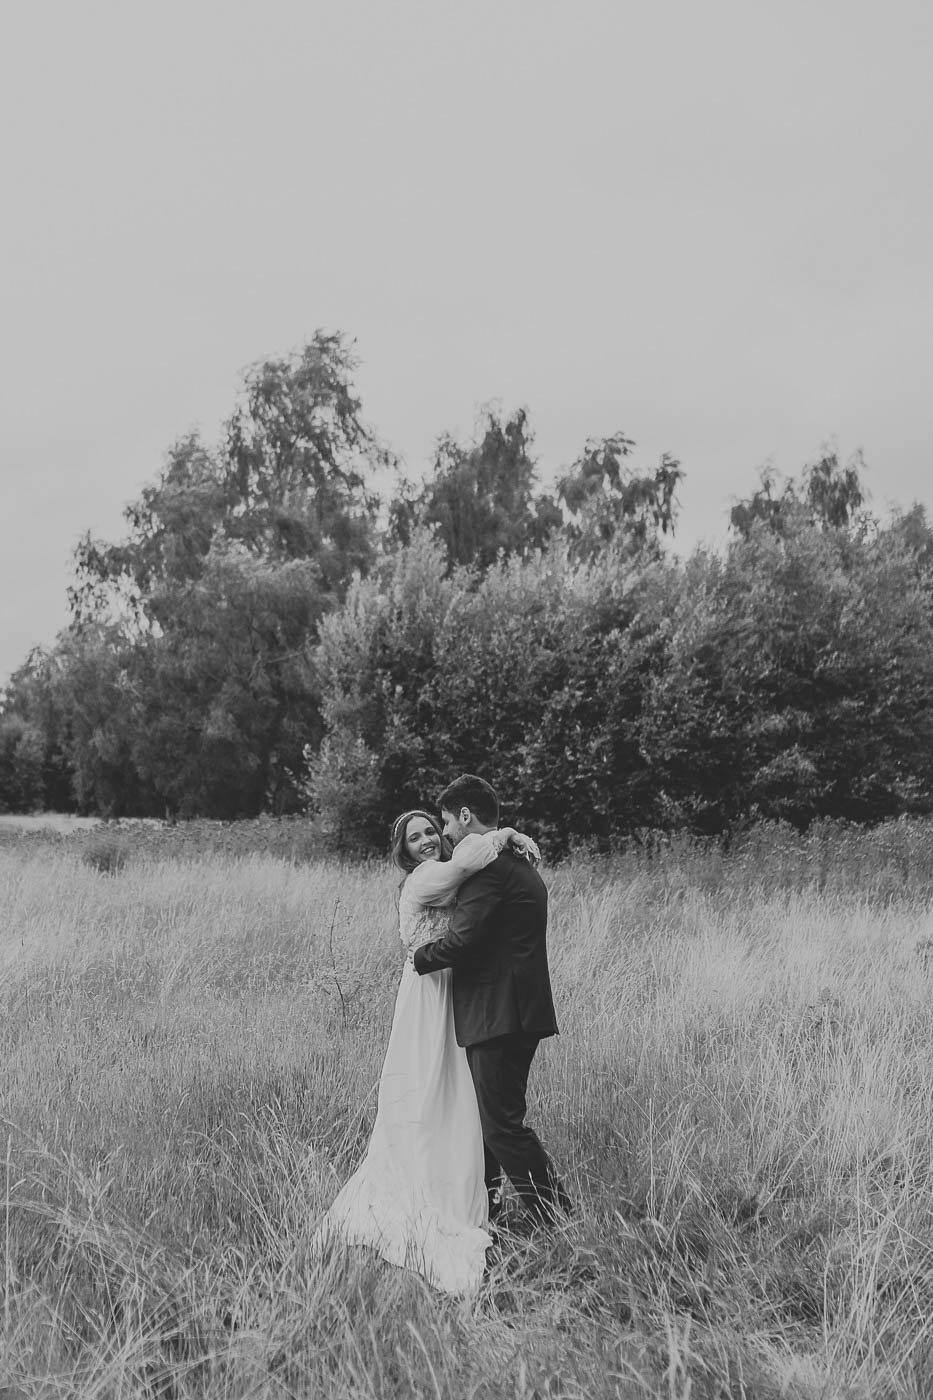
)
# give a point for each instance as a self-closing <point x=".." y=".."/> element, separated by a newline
<point x="422" y="841"/>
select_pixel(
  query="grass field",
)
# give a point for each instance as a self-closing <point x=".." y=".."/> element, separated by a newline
<point x="741" y="1099"/>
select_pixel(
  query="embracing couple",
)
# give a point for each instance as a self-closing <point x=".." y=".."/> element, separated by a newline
<point x="473" y="1003"/>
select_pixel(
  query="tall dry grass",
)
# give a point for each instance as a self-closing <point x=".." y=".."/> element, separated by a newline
<point x="740" y="1099"/>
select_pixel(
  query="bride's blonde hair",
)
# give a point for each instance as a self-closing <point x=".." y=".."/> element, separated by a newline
<point x="400" y="854"/>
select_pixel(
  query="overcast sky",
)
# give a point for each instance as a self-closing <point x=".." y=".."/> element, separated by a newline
<point x="708" y="225"/>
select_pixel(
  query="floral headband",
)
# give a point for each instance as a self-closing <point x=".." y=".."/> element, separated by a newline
<point x="406" y="816"/>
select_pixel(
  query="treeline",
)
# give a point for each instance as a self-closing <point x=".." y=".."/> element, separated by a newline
<point x="273" y="635"/>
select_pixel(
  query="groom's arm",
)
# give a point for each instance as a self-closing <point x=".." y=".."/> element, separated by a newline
<point x="480" y="897"/>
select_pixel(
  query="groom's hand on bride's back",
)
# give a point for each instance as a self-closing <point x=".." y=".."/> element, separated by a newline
<point x="470" y="923"/>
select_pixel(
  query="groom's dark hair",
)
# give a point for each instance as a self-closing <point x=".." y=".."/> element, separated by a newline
<point x="475" y="793"/>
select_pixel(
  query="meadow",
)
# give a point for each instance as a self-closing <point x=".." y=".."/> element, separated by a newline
<point x="741" y="1100"/>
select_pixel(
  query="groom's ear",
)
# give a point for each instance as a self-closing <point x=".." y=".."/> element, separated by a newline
<point x="466" y="816"/>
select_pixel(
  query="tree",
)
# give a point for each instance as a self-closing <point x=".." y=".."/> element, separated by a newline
<point x="172" y="527"/>
<point x="233" y="558"/>
<point x="89" y="685"/>
<point x="531" y="673"/>
<point x="296" y="461"/>
<point x="22" y="751"/>
<point x="481" y="498"/>
<point x="912" y="527"/>
<point x="797" y="682"/>
<point x="227" y="694"/>
<point x="30" y="698"/>
<point x="288" y="482"/>
<point x="608" y="502"/>
<point x="826" y="495"/>
<point x="376" y="657"/>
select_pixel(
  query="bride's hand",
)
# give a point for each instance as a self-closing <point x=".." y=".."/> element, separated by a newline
<point x="521" y="844"/>
<point x="524" y="846"/>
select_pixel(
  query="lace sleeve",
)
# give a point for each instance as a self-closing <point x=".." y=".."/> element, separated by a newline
<point x="437" y="881"/>
<point x="419" y="925"/>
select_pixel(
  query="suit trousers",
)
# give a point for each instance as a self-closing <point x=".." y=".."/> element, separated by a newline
<point x="500" y="1076"/>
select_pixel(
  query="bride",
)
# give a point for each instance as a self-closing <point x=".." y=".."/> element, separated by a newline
<point x="419" y="1196"/>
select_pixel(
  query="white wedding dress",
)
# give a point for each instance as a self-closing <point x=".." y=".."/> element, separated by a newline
<point x="418" y="1196"/>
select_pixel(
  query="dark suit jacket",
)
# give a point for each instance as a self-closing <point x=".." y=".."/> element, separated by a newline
<point x="497" y="947"/>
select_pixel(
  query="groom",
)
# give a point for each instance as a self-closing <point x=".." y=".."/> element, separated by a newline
<point x="502" y="1000"/>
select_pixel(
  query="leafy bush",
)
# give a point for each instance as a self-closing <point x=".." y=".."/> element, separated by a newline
<point x="796" y="683"/>
<point x="791" y="679"/>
